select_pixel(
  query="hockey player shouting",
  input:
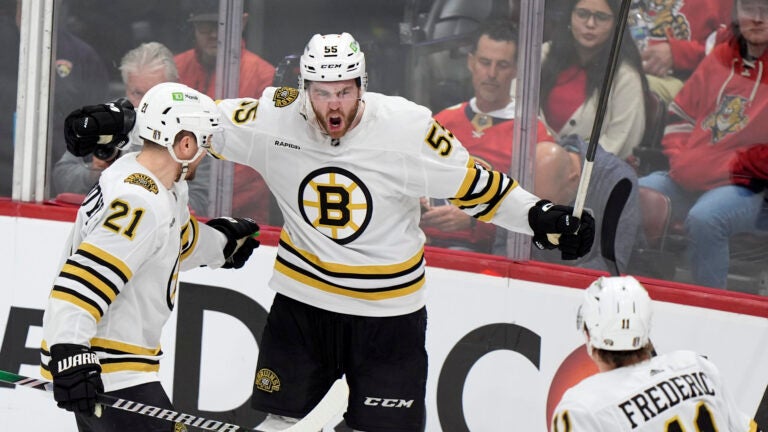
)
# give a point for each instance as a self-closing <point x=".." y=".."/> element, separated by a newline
<point x="347" y="168"/>
<point x="132" y="236"/>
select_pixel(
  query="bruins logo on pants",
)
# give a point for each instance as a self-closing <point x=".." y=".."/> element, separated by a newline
<point x="336" y="203"/>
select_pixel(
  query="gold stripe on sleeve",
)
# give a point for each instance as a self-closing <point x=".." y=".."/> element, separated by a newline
<point x="92" y="280"/>
<point x="109" y="259"/>
<point x="95" y="313"/>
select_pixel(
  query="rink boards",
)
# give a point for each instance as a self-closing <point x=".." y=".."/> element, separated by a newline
<point x="501" y="336"/>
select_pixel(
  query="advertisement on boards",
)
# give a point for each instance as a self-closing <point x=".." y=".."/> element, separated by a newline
<point x="501" y="350"/>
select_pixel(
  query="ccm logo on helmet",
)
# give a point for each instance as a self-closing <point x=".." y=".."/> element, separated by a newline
<point x="388" y="403"/>
<point x="330" y="66"/>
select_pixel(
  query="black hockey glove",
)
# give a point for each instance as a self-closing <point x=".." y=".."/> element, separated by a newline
<point x="240" y="243"/>
<point x="99" y="128"/>
<point x="574" y="246"/>
<point x="76" y="377"/>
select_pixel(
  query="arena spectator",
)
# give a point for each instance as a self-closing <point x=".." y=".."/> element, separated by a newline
<point x="484" y="124"/>
<point x="557" y="173"/>
<point x="141" y="69"/>
<point x="721" y="110"/>
<point x="572" y="72"/>
<point x="197" y="69"/>
<point x="79" y="75"/>
<point x="676" y="43"/>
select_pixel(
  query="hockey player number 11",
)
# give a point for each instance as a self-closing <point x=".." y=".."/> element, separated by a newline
<point x="704" y="421"/>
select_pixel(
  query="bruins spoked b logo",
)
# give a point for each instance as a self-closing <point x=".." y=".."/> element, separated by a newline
<point x="336" y="203"/>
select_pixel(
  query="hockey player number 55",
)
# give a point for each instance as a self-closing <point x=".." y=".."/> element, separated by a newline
<point x="440" y="139"/>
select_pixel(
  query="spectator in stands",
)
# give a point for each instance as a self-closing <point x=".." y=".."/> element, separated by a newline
<point x="141" y="69"/>
<point x="676" y="44"/>
<point x="197" y="69"/>
<point x="572" y="72"/>
<point x="79" y="75"/>
<point x="484" y="124"/>
<point x="557" y="173"/>
<point x="722" y="109"/>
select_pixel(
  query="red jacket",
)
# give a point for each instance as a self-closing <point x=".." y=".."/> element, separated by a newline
<point x="685" y="25"/>
<point x="491" y="147"/>
<point x="750" y="168"/>
<point x="250" y="194"/>
<point x="721" y="109"/>
<point x="256" y="74"/>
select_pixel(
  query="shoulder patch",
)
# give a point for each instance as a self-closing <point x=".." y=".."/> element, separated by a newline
<point x="285" y="96"/>
<point x="142" y="180"/>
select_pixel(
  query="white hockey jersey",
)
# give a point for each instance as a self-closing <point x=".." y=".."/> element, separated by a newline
<point x="117" y="286"/>
<point x="351" y="241"/>
<point x="678" y="391"/>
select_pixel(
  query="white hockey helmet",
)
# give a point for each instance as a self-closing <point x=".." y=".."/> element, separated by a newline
<point x="617" y="313"/>
<point x="332" y="57"/>
<point x="169" y="108"/>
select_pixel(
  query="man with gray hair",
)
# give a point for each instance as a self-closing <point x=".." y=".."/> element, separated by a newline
<point x="141" y="69"/>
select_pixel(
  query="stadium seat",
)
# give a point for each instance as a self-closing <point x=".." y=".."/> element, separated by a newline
<point x="647" y="156"/>
<point x="450" y="28"/>
<point x="657" y="212"/>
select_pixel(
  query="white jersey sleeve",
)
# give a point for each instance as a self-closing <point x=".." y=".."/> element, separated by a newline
<point x="201" y="245"/>
<point x="489" y="196"/>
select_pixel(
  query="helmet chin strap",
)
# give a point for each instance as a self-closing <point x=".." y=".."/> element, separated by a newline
<point x="587" y="343"/>
<point x="184" y="171"/>
<point x="185" y="163"/>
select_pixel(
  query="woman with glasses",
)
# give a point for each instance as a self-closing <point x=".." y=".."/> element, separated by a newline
<point x="572" y="72"/>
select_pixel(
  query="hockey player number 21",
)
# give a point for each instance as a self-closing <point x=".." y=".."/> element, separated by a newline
<point x="704" y="421"/>
<point x="114" y="220"/>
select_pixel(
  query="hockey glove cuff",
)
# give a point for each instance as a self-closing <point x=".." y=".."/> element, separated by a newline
<point x="76" y="377"/>
<point x="240" y="243"/>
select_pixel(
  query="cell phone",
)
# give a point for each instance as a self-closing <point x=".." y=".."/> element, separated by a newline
<point x="436" y="202"/>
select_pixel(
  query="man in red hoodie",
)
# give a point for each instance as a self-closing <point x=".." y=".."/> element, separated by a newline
<point x="721" y="110"/>
<point x="197" y="69"/>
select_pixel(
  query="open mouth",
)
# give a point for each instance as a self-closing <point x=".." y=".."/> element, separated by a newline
<point x="334" y="122"/>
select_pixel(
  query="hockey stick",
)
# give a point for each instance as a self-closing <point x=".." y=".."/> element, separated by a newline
<point x="131" y="406"/>
<point x="333" y="403"/>
<point x="602" y="105"/>
<point x="613" y="208"/>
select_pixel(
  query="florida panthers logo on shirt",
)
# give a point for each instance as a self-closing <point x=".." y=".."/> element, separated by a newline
<point x="336" y="203"/>
<point x="729" y="118"/>
<point x="665" y="16"/>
